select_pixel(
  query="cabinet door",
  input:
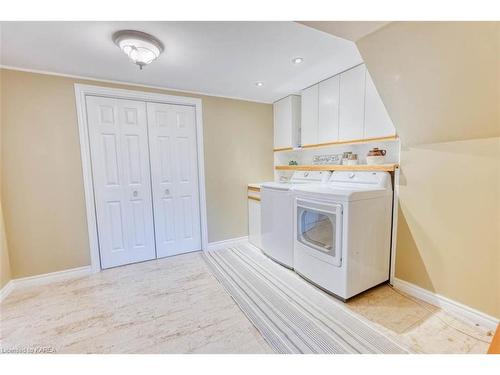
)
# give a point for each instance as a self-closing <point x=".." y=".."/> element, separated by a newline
<point x="352" y="102"/>
<point x="377" y="120"/>
<point x="328" y="111"/>
<point x="254" y="227"/>
<point x="282" y="123"/>
<point x="309" y="116"/>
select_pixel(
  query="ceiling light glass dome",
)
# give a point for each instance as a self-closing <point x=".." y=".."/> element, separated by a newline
<point x="140" y="47"/>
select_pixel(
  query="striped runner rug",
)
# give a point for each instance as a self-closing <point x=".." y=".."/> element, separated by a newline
<point x="291" y="314"/>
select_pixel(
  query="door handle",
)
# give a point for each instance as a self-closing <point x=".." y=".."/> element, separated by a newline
<point x="167" y="191"/>
<point x="135" y="193"/>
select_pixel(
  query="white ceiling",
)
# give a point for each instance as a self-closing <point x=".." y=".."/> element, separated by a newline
<point x="216" y="58"/>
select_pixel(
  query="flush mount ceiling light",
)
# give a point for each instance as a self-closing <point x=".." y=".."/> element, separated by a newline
<point x="140" y="47"/>
<point x="297" y="60"/>
<point x="259" y="84"/>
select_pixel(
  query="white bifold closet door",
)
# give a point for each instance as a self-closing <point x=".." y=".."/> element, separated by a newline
<point x="174" y="175"/>
<point x="122" y="183"/>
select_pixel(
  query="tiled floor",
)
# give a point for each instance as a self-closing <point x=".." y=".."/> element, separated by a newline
<point x="175" y="305"/>
<point x="421" y="327"/>
<point x="171" y="305"/>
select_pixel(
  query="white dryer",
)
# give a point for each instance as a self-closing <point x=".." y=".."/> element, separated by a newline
<point x="342" y="232"/>
<point x="277" y="214"/>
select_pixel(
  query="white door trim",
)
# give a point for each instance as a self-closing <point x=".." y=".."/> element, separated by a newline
<point x="81" y="91"/>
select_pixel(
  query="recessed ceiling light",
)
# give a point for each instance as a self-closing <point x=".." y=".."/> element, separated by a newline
<point x="140" y="47"/>
<point x="297" y="60"/>
<point x="259" y="84"/>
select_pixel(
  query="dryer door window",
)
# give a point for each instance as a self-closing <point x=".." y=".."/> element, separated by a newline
<point x="319" y="229"/>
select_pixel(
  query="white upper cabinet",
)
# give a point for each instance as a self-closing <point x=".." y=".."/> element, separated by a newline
<point x="286" y="122"/>
<point x="328" y="111"/>
<point x="352" y="103"/>
<point x="345" y="107"/>
<point x="309" y="116"/>
<point x="377" y="120"/>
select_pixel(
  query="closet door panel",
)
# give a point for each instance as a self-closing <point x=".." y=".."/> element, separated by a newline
<point x="110" y="159"/>
<point x="174" y="166"/>
<point x="187" y="202"/>
<point x="134" y="136"/>
<point x="133" y="150"/>
<point x="161" y="146"/>
<point x="120" y="168"/>
<point x="139" y="223"/>
<point x="166" y="223"/>
<point x="117" y="239"/>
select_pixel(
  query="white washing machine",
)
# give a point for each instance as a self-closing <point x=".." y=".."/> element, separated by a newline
<point x="277" y="214"/>
<point x="342" y="232"/>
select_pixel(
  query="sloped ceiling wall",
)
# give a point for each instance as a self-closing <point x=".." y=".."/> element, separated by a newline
<point x="440" y="82"/>
<point x="351" y="30"/>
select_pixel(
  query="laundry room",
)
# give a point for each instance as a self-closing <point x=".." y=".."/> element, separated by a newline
<point x="250" y="187"/>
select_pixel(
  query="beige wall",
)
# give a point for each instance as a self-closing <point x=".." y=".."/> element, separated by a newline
<point x="42" y="192"/>
<point x="5" y="274"/>
<point x="441" y="85"/>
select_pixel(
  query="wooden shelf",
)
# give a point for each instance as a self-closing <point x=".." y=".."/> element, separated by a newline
<point x="359" y="167"/>
<point x="339" y="143"/>
<point x="285" y="149"/>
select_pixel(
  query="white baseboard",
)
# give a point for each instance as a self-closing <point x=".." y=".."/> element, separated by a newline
<point x="44" y="279"/>
<point x="52" y="277"/>
<point x="6" y="290"/>
<point x="459" y="310"/>
<point x="229" y="242"/>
